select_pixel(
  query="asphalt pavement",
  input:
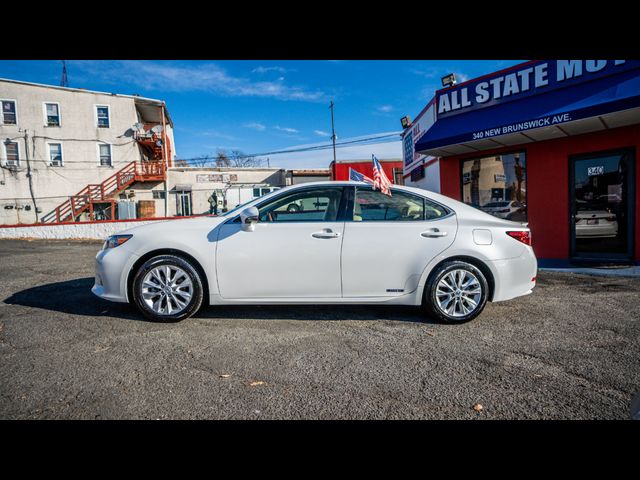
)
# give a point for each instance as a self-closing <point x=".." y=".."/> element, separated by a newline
<point x="568" y="351"/>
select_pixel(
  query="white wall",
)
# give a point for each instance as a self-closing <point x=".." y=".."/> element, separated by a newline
<point x="98" y="231"/>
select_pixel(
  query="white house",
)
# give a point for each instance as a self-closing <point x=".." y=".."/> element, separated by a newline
<point x="57" y="141"/>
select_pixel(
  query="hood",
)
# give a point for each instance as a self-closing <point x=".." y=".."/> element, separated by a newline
<point x="163" y="227"/>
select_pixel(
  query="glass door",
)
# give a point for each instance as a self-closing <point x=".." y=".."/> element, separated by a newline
<point x="601" y="202"/>
<point x="183" y="207"/>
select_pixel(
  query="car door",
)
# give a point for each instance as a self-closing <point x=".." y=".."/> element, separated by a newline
<point x="390" y="240"/>
<point x="293" y="252"/>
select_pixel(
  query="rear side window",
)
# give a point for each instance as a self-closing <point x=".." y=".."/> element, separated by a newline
<point x="374" y="206"/>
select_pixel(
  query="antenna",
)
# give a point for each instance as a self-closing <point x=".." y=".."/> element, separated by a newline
<point x="64" y="82"/>
<point x="137" y="127"/>
<point x="157" y="129"/>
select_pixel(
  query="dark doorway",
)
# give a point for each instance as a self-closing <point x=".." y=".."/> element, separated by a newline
<point x="601" y="199"/>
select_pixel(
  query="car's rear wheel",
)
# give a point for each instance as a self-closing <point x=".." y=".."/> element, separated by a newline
<point x="167" y="288"/>
<point x="456" y="292"/>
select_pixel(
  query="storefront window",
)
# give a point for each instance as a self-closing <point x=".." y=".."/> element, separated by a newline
<point x="497" y="185"/>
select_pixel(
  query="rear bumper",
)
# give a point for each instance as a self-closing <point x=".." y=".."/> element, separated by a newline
<point x="514" y="277"/>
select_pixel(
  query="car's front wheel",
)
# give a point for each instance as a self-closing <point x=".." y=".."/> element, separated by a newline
<point x="456" y="292"/>
<point x="167" y="288"/>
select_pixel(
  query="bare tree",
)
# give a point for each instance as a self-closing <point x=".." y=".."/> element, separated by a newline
<point x="240" y="160"/>
<point x="201" y="161"/>
<point x="222" y="159"/>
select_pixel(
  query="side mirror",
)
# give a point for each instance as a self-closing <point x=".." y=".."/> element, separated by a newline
<point x="249" y="217"/>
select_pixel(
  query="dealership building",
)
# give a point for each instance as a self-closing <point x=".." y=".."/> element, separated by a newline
<point x="550" y="142"/>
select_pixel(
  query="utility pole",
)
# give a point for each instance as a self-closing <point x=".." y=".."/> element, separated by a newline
<point x="26" y="154"/>
<point x="64" y="82"/>
<point x="333" y="132"/>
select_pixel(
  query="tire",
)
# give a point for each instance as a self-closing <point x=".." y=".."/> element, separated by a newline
<point x="182" y="274"/>
<point x="453" y="309"/>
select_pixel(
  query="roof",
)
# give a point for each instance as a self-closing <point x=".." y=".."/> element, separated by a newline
<point x="140" y="101"/>
<point x="312" y="172"/>
<point x="386" y="160"/>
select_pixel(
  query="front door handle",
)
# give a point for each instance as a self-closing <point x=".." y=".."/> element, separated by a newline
<point x="326" y="233"/>
<point x="434" y="232"/>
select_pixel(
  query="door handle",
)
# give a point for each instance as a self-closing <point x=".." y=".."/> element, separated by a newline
<point x="326" y="233"/>
<point x="434" y="232"/>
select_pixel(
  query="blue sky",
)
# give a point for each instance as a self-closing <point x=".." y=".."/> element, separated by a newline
<point x="261" y="106"/>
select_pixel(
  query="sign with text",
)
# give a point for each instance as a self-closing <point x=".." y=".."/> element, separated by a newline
<point x="522" y="81"/>
<point x="410" y="137"/>
<point x="218" y="178"/>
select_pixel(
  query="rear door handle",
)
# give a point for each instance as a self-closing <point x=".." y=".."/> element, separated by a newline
<point x="326" y="233"/>
<point x="434" y="232"/>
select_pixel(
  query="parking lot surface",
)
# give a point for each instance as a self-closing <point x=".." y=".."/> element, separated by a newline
<point x="568" y="351"/>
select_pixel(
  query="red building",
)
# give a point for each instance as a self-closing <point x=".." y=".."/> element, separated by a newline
<point x="551" y="142"/>
<point x="392" y="168"/>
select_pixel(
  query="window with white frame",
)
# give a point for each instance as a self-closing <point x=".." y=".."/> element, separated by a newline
<point x="102" y="114"/>
<point x="52" y="114"/>
<point x="8" y="112"/>
<point x="12" y="153"/>
<point x="105" y="154"/>
<point x="55" y="154"/>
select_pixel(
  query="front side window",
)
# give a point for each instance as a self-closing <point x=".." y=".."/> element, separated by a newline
<point x="374" y="206"/>
<point x="313" y="205"/>
<point x="8" y="112"/>
<point x="105" y="155"/>
<point x="12" y="153"/>
<point x="52" y="112"/>
<point x="55" y="154"/>
<point x="103" y="116"/>
<point x="497" y="185"/>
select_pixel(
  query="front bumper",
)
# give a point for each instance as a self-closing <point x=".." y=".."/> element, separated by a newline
<point x="112" y="268"/>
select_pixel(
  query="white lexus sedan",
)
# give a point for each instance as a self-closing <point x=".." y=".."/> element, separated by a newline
<point x="350" y="244"/>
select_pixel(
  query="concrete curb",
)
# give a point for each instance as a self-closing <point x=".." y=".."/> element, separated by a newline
<point x="601" y="272"/>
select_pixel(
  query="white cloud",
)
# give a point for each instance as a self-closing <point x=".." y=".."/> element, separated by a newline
<point x="439" y="72"/>
<point x="262" y="69"/>
<point x="217" y="134"/>
<point x="286" y="129"/>
<point x="255" y="126"/>
<point x="168" y="76"/>
<point x="322" y="133"/>
<point x="385" y="108"/>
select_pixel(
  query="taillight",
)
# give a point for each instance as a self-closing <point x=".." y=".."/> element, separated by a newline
<point x="523" y="236"/>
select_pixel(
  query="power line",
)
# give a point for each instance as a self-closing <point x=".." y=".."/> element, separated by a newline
<point x="386" y="138"/>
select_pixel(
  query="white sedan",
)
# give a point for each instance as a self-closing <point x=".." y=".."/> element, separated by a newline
<point x="355" y="245"/>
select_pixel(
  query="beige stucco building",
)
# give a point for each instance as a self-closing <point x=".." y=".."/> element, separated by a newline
<point x="68" y="138"/>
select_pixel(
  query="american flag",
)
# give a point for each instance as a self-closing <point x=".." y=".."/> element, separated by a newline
<point x="380" y="179"/>
<point x="358" y="177"/>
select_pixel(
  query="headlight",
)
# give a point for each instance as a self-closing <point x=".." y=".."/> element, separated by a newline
<point x="115" y="240"/>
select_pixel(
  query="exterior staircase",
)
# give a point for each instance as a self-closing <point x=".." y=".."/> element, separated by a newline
<point x="84" y="200"/>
